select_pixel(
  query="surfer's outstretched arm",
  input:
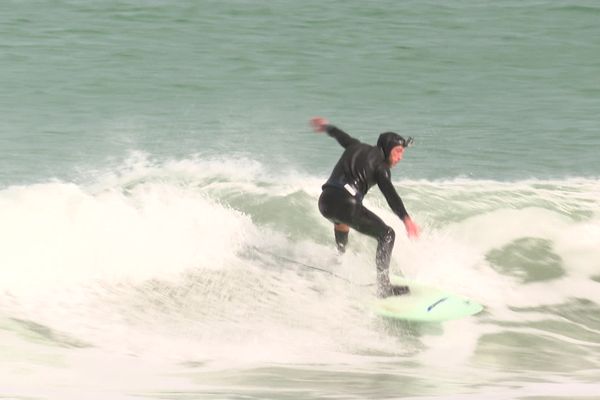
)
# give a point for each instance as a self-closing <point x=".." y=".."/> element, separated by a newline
<point x="322" y="125"/>
<point x="384" y="182"/>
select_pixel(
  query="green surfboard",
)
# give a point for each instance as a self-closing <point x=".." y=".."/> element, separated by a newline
<point x="425" y="303"/>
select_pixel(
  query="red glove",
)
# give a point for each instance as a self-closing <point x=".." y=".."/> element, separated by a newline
<point x="412" y="229"/>
<point x="319" y="124"/>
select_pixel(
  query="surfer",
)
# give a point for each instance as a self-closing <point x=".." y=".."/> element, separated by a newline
<point x="359" y="168"/>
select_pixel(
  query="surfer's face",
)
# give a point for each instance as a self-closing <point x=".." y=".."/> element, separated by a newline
<point x="396" y="155"/>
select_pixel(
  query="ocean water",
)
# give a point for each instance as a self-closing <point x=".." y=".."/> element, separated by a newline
<point x="159" y="180"/>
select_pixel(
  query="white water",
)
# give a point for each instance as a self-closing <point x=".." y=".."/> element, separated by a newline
<point x="137" y="280"/>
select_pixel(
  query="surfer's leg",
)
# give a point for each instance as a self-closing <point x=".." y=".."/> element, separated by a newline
<point x="367" y="222"/>
<point x="340" y="232"/>
<point x="338" y="207"/>
<point x="344" y="211"/>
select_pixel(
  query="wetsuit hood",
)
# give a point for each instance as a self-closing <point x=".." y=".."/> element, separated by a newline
<point x="388" y="140"/>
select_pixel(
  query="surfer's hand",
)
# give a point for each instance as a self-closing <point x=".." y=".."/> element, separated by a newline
<point x="319" y="124"/>
<point x="412" y="229"/>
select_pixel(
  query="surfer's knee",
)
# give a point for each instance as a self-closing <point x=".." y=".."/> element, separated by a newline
<point x="341" y="227"/>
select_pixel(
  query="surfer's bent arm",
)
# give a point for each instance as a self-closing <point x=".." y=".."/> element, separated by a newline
<point x="342" y="137"/>
<point x="384" y="182"/>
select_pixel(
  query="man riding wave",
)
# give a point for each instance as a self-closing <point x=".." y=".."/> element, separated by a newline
<point x="360" y="167"/>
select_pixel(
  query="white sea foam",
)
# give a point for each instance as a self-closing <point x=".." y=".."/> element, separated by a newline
<point x="78" y="258"/>
<point x="62" y="234"/>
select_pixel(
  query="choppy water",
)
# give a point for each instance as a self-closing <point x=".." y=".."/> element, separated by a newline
<point x="158" y="179"/>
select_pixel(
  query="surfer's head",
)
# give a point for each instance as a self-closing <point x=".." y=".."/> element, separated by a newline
<point x="393" y="146"/>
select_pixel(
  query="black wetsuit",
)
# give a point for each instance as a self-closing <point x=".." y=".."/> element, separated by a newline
<point x="359" y="168"/>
